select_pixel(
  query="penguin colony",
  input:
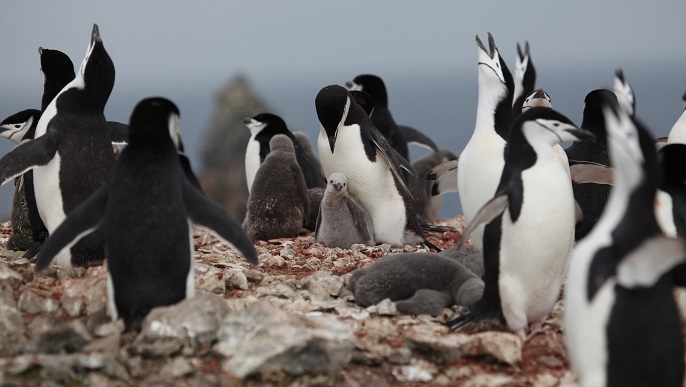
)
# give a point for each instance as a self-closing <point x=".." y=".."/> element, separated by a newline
<point x="525" y="199"/>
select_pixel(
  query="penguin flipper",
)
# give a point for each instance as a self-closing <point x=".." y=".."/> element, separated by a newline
<point x="188" y="171"/>
<point x="588" y="172"/>
<point x="81" y="221"/>
<point x="209" y="215"/>
<point x="646" y="264"/>
<point x="362" y="220"/>
<point x="414" y="136"/>
<point x="28" y="155"/>
<point x="391" y="164"/>
<point x="119" y="133"/>
<point x="491" y="210"/>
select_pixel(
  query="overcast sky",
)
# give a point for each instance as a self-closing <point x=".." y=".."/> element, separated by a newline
<point x="186" y="50"/>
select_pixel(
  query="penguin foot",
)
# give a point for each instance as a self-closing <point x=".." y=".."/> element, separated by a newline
<point x="33" y="251"/>
<point x="534" y="329"/>
<point x="522" y="335"/>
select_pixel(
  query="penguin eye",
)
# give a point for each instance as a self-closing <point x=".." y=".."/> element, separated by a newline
<point x="17" y="126"/>
<point x="556" y="124"/>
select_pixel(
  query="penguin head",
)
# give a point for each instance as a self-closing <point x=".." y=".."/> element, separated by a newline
<point x="537" y="98"/>
<point x="261" y="121"/>
<point x="372" y="85"/>
<point x="15" y="126"/>
<point x="631" y="147"/>
<point x="593" y="118"/>
<point x="281" y="143"/>
<point x="525" y="72"/>
<point x="624" y="92"/>
<point x="338" y="182"/>
<point x="333" y="104"/>
<point x="96" y="74"/>
<point x="154" y="119"/>
<point x="492" y="67"/>
<point x="548" y="124"/>
<point x="55" y="64"/>
<point x="365" y="101"/>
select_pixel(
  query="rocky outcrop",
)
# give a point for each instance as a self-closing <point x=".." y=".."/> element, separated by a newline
<point x="223" y="151"/>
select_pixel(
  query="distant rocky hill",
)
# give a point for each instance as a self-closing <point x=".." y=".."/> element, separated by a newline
<point x="223" y="151"/>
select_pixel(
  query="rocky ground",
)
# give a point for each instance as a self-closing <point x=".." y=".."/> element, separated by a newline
<point x="289" y="321"/>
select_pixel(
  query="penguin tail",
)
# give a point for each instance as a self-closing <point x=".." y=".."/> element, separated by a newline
<point x="464" y="322"/>
<point x="31" y="252"/>
<point x="481" y="315"/>
<point x="434" y="228"/>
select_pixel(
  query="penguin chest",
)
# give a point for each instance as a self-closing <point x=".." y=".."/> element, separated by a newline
<point x="479" y="169"/>
<point x="46" y="180"/>
<point x="534" y="250"/>
<point x="371" y="182"/>
<point x="252" y="161"/>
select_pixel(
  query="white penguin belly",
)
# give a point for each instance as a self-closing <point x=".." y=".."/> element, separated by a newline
<point x="585" y="323"/>
<point x="252" y="161"/>
<point x="46" y="184"/>
<point x="534" y="251"/>
<point x="480" y="167"/>
<point x="370" y="182"/>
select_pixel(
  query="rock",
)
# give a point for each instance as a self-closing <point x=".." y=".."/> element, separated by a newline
<point x="11" y="330"/>
<point x="176" y="368"/>
<point x="224" y="145"/>
<point x="384" y="308"/>
<point x="192" y="322"/>
<point x="109" y="345"/>
<point x="209" y="278"/>
<point x="9" y="277"/>
<point x="35" y="300"/>
<point x="110" y="328"/>
<point x="323" y="285"/>
<point x="236" y="278"/>
<point x="263" y="339"/>
<point x="418" y="371"/>
<point x="504" y="347"/>
<point x="491" y="380"/>
<point x="287" y="252"/>
<point x="63" y="338"/>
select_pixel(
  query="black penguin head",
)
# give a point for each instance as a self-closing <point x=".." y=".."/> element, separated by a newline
<point x="537" y="98"/>
<point x="333" y="104"/>
<point x="372" y="85"/>
<point x="17" y="125"/>
<point x="365" y="101"/>
<point x="154" y="120"/>
<point x="57" y="70"/>
<point x="56" y="65"/>
<point x="338" y="182"/>
<point x="273" y="123"/>
<point x="593" y="118"/>
<point x="96" y="74"/>
<point x="624" y="93"/>
<point x="548" y="124"/>
<point x="631" y="147"/>
<point x="281" y="143"/>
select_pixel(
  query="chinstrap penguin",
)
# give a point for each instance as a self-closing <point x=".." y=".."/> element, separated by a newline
<point x="481" y="162"/>
<point x="145" y="210"/>
<point x="529" y="225"/>
<point x="678" y="131"/>
<point x="349" y="144"/>
<point x="342" y="221"/>
<point x="71" y="154"/>
<point x="624" y="93"/>
<point x="622" y="326"/>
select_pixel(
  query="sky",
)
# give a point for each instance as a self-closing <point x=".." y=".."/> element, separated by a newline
<point x="425" y="51"/>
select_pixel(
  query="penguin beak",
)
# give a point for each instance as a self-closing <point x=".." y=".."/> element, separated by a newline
<point x="337" y="186"/>
<point x="332" y="140"/>
<point x="247" y="120"/>
<point x="582" y="134"/>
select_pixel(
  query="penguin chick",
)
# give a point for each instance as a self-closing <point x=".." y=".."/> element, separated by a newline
<point x="342" y="221"/>
<point x="419" y="283"/>
<point x="427" y="206"/>
<point x="279" y="205"/>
